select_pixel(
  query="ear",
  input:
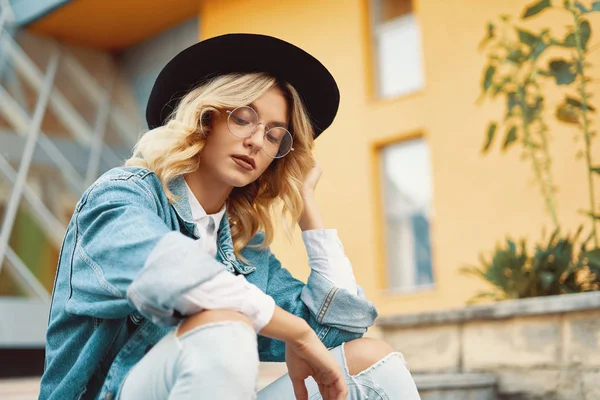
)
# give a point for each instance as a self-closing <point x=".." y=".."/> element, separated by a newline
<point x="206" y="124"/>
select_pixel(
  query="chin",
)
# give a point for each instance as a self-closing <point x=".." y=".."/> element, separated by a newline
<point x="240" y="181"/>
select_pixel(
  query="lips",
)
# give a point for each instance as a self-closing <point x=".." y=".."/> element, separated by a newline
<point x="244" y="162"/>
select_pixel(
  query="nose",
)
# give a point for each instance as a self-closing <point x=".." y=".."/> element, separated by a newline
<point x="256" y="140"/>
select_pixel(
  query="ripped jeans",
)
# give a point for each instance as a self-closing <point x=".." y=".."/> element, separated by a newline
<point x="220" y="361"/>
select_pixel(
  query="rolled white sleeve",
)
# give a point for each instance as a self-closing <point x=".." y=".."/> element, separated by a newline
<point x="326" y="256"/>
<point x="228" y="291"/>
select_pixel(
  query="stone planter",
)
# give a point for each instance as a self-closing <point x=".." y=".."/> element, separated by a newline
<point x="538" y="348"/>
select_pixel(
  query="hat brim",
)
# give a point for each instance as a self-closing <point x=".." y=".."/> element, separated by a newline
<point x="242" y="52"/>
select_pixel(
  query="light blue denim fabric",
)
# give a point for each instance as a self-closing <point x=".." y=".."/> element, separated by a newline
<point x="387" y="379"/>
<point x="219" y="361"/>
<point x="128" y="254"/>
<point x="214" y="361"/>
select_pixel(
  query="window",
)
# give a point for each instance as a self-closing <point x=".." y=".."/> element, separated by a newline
<point x="397" y="44"/>
<point x="407" y="193"/>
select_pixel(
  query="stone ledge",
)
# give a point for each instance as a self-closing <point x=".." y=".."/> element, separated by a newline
<point x="498" y="310"/>
<point x="454" y="381"/>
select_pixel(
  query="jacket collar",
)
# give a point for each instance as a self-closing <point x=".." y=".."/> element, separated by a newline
<point x="225" y="253"/>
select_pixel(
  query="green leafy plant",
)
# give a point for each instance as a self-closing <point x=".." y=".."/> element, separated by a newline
<point x="513" y="72"/>
<point x="573" y="70"/>
<point x="558" y="266"/>
<point x="516" y="71"/>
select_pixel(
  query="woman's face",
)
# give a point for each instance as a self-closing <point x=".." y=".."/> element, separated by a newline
<point x="239" y="161"/>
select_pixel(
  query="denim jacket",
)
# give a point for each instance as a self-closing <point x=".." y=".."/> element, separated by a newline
<point x="128" y="254"/>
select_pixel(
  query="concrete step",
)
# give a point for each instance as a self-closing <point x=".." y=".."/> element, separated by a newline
<point x="431" y="386"/>
<point x="456" y="386"/>
<point x="19" y="388"/>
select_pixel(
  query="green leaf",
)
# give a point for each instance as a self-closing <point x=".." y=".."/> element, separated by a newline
<point x="490" y="30"/>
<point x="510" y="138"/>
<point x="595" y="170"/>
<point x="595" y="7"/>
<point x="546" y="279"/>
<point x="512" y="247"/>
<point x="533" y="145"/>
<point x="593" y="256"/>
<point x="511" y="102"/>
<point x="581" y="7"/>
<point x="527" y="37"/>
<point x="567" y="114"/>
<point x="573" y="102"/>
<point x="530" y="110"/>
<point x="569" y="41"/>
<point x="489" y="35"/>
<point x="496" y="88"/>
<point x="488" y="77"/>
<point x="585" y="32"/>
<point x="562" y="71"/>
<point x="536" y="8"/>
<point x="491" y="131"/>
<point x="538" y="49"/>
<point x="577" y="103"/>
<point x="516" y="56"/>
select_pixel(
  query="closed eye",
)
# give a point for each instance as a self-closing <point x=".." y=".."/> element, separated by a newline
<point x="273" y="139"/>
<point x="239" y="121"/>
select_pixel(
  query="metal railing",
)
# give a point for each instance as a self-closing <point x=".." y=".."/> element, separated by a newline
<point x="29" y="128"/>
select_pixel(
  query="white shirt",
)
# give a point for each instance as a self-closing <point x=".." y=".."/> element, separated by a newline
<point x="208" y="225"/>
<point x="228" y="291"/>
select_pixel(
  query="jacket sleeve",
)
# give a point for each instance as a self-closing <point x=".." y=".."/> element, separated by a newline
<point x="335" y="314"/>
<point x="126" y="258"/>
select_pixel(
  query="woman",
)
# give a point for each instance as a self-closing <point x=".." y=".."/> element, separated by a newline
<point x="166" y="287"/>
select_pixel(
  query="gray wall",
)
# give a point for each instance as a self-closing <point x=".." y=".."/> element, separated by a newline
<point x="143" y="62"/>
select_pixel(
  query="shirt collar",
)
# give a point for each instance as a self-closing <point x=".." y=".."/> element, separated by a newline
<point x="181" y="203"/>
<point x="226" y="255"/>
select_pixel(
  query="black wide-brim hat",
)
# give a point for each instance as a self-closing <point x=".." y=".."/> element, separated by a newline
<point x="242" y="52"/>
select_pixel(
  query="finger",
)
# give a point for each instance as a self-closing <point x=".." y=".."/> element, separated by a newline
<point x="333" y="391"/>
<point x="323" y="391"/>
<point x="326" y="392"/>
<point x="340" y="389"/>
<point x="299" y="389"/>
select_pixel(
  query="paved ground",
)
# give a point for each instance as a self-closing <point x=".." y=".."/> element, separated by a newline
<point x="19" y="389"/>
<point x="28" y="388"/>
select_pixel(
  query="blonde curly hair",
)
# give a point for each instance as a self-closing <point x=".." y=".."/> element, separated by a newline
<point x="173" y="150"/>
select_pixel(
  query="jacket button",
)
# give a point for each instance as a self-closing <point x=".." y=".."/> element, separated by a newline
<point x="109" y="396"/>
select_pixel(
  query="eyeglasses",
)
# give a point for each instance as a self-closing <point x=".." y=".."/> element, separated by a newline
<point x="243" y="122"/>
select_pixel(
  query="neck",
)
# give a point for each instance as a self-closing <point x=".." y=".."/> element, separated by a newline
<point x="210" y="193"/>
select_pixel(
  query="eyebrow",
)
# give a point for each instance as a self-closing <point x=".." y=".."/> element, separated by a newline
<point x="271" y="123"/>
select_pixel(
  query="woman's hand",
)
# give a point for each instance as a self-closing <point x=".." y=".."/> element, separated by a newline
<point x="311" y="179"/>
<point x="306" y="356"/>
<point x="311" y="217"/>
<point x="309" y="357"/>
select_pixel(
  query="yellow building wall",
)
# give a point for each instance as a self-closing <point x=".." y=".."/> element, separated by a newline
<point x="477" y="200"/>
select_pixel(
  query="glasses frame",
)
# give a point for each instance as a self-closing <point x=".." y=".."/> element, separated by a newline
<point x="267" y="129"/>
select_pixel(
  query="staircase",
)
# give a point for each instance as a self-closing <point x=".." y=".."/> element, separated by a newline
<point x="60" y="127"/>
<point x="458" y="386"/>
